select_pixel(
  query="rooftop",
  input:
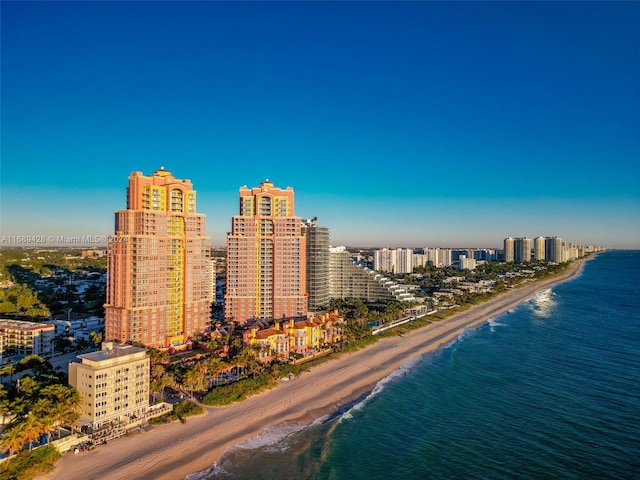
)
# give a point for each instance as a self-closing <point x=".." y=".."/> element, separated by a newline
<point x="110" y="351"/>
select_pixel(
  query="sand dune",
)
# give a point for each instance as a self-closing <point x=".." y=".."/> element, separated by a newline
<point x="171" y="452"/>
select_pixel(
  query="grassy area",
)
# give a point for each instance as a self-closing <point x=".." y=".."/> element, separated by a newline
<point x="180" y="412"/>
<point x="27" y="465"/>
<point x="237" y="391"/>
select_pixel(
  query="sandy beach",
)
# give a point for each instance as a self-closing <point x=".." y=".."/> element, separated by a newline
<point x="171" y="452"/>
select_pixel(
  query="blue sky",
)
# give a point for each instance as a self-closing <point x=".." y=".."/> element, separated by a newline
<point x="396" y="123"/>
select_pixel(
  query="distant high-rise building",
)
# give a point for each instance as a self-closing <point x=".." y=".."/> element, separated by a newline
<point x="404" y="260"/>
<point x="445" y="257"/>
<point x="393" y="260"/>
<point x="317" y="240"/>
<point x="509" y="252"/>
<point x="553" y="249"/>
<point x="432" y="255"/>
<point x="266" y="257"/>
<point x="384" y="260"/>
<point x="465" y="263"/>
<point x="538" y="249"/>
<point x="522" y="249"/>
<point x="158" y="264"/>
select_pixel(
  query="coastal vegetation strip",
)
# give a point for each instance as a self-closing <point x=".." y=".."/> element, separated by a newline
<point x="259" y="376"/>
<point x="36" y="408"/>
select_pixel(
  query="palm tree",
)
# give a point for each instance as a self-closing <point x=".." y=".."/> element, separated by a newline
<point x="160" y="384"/>
<point x="19" y="406"/>
<point x="28" y="387"/>
<point x="5" y="403"/>
<point x="248" y="359"/>
<point x="65" y="402"/>
<point x="49" y="423"/>
<point x="31" y="430"/>
<point x="157" y="371"/>
<point x="214" y="366"/>
<point x="72" y="406"/>
<point x="13" y="440"/>
<point x="195" y="378"/>
<point x="158" y="357"/>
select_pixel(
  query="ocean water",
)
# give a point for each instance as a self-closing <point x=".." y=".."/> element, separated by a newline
<point x="550" y="389"/>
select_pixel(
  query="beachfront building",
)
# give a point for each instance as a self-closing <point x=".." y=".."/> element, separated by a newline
<point x="348" y="279"/>
<point x="509" y="249"/>
<point x="158" y="265"/>
<point x="538" y="249"/>
<point x="301" y="337"/>
<point x="522" y="249"/>
<point x="553" y="249"/>
<point x="20" y="337"/>
<point x="317" y="242"/>
<point x="266" y="258"/>
<point x="114" y="386"/>
<point x="211" y="280"/>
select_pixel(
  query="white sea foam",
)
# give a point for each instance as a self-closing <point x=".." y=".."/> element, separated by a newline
<point x="216" y="469"/>
<point x="494" y="322"/>
<point x="380" y="386"/>
<point x="466" y="333"/>
<point x="543" y="303"/>
<point x="270" y="439"/>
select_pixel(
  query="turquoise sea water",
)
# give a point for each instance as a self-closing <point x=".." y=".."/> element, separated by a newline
<point x="549" y="390"/>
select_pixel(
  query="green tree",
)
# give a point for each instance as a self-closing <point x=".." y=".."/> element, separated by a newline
<point x="159" y="384"/>
<point x="95" y="338"/>
<point x="214" y="367"/>
<point x="28" y="387"/>
<point x="31" y="428"/>
<point x="66" y="403"/>
<point x="12" y="440"/>
<point x="5" y="403"/>
<point x="247" y="360"/>
<point x="157" y="371"/>
<point x="195" y="378"/>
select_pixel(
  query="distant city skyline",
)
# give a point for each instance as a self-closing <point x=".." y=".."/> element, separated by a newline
<point x="399" y="124"/>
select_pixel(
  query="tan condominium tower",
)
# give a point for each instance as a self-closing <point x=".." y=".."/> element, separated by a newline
<point x="266" y="258"/>
<point x="157" y="265"/>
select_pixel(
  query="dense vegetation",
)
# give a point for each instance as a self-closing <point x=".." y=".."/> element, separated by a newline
<point x="180" y="412"/>
<point x="34" y="407"/>
<point x="21" y="268"/>
<point x="27" y="465"/>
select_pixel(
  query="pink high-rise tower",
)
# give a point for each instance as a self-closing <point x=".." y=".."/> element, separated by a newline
<point x="157" y="265"/>
<point x="266" y="258"/>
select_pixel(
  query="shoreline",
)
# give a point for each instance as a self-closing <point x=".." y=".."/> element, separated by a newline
<point x="173" y="451"/>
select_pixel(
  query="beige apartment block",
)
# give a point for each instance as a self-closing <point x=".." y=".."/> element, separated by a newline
<point x="114" y="385"/>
